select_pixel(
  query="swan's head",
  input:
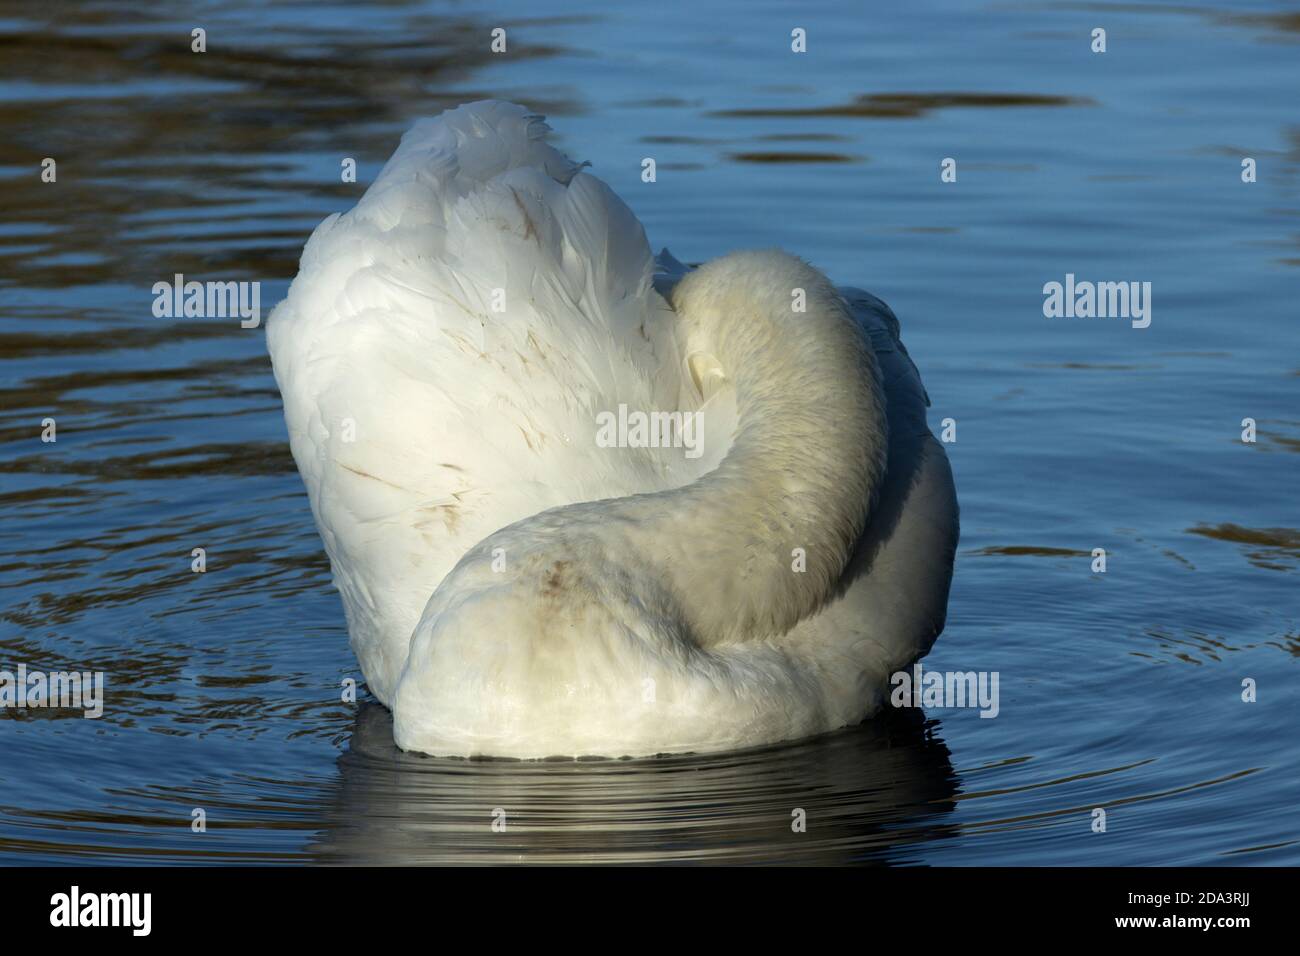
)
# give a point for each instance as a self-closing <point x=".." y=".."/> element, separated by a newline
<point x="810" y="438"/>
<point x="754" y="310"/>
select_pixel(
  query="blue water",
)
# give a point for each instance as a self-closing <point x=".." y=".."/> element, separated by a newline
<point x="1119" y="690"/>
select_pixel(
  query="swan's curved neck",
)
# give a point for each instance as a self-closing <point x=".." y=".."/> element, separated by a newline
<point x="766" y="536"/>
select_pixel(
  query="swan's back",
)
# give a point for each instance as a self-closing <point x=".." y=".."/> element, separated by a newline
<point x="445" y="350"/>
<point x="445" y="355"/>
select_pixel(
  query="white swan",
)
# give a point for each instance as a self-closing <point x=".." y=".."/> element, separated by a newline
<point x="512" y="588"/>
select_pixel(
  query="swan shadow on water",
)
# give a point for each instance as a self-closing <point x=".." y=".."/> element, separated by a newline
<point x="868" y="792"/>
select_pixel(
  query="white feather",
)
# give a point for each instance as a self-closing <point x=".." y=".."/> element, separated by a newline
<point x="465" y="324"/>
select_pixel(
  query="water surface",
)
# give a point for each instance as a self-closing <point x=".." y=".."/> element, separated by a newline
<point x="1119" y="690"/>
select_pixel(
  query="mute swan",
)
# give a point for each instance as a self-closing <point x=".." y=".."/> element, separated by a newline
<point x="512" y="588"/>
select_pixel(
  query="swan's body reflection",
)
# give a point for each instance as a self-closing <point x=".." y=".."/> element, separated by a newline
<point x="869" y="792"/>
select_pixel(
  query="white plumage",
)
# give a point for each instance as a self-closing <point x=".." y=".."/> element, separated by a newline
<point x="444" y="355"/>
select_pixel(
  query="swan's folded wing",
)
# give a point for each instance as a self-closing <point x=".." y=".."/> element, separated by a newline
<point x="904" y="390"/>
<point x="443" y="354"/>
<point x="896" y="587"/>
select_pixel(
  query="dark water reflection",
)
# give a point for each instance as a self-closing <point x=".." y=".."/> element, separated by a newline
<point x="866" y="794"/>
<point x="1119" y="691"/>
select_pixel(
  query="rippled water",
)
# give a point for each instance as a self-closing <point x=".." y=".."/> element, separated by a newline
<point x="1119" y="690"/>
